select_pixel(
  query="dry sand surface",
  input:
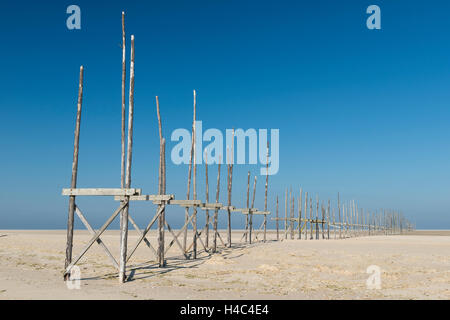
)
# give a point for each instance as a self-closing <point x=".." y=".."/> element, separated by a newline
<point x="412" y="267"/>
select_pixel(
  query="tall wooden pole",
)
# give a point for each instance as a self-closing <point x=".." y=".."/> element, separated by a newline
<point x="277" y="225"/>
<point x="216" y="210"/>
<point x="161" y="189"/>
<point x="248" y="206"/>
<point x="251" y="215"/>
<point x="311" y="218"/>
<point x="317" y="217"/>
<point x="285" y="215"/>
<point x="73" y="183"/>
<point x="340" y="221"/>
<point x="306" y="215"/>
<point x="300" y="214"/>
<point x="328" y="219"/>
<point x="230" y="186"/>
<point x="122" y="163"/>
<point x="124" y="214"/>
<point x="207" y="200"/>
<point x="265" y="195"/>
<point x="194" y="184"/>
<point x="188" y="192"/>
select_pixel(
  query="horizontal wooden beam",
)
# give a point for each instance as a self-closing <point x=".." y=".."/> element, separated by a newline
<point x="187" y="203"/>
<point x="206" y="206"/>
<point x="100" y="192"/>
<point x="147" y="197"/>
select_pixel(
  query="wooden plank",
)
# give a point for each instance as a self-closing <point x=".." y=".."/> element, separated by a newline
<point x="186" y="203"/>
<point x="100" y="192"/>
<point x="210" y="205"/>
<point x="148" y="197"/>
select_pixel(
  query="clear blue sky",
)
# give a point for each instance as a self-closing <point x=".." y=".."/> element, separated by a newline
<point x="363" y="112"/>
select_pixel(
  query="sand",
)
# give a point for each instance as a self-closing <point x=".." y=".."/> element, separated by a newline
<point x="413" y="266"/>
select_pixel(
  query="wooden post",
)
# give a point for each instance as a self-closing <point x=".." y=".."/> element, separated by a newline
<point x="73" y="183"/>
<point x="334" y="224"/>
<point x="277" y="225"/>
<point x="300" y="215"/>
<point x="161" y="189"/>
<point x="186" y="210"/>
<point x="285" y="215"/>
<point x="207" y="200"/>
<point x="317" y="217"/>
<point x="265" y="195"/>
<point x="248" y="206"/>
<point x="194" y="186"/>
<point x="323" y="221"/>
<point x="340" y="221"/>
<point x="230" y="184"/>
<point x="122" y="163"/>
<point x="328" y="219"/>
<point x="216" y="210"/>
<point x="161" y="218"/>
<point x="124" y="214"/>
<point x="306" y="215"/>
<point x="310" y="219"/>
<point x="291" y="214"/>
<point x="251" y="215"/>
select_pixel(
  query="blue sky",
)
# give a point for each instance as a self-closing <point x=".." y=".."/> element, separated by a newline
<point x="363" y="112"/>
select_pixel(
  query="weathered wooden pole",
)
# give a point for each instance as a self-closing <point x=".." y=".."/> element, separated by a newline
<point x="207" y="200"/>
<point x="328" y="219"/>
<point x="291" y="215"/>
<point x="266" y="189"/>
<point x="317" y="217"/>
<point x="334" y="224"/>
<point x="194" y="186"/>
<point x="251" y="214"/>
<point x="340" y="221"/>
<point x="161" y="218"/>
<point x="191" y="157"/>
<point x="277" y="225"/>
<point x="161" y="187"/>
<point x="124" y="214"/>
<point x="248" y="206"/>
<point x="285" y="215"/>
<point x="216" y="210"/>
<point x="306" y="215"/>
<point x="300" y="215"/>
<point x="323" y="221"/>
<point x="311" y="218"/>
<point x="230" y="186"/>
<point x="73" y="182"/>
<point x="122" y="163"/>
